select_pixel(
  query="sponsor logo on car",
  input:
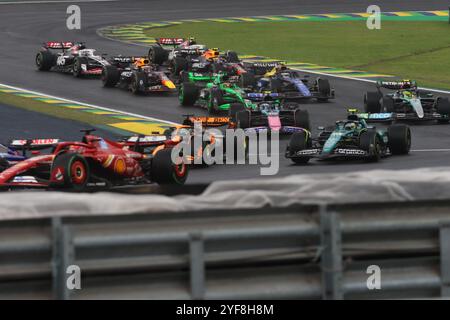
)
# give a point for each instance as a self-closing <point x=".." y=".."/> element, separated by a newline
<point x="357" y="152"/>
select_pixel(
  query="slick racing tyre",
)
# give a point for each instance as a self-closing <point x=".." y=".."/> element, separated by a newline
<point x="369" y="141"/>
<point x="232" y="57"/>
<point x="70" y="171"/>
<point x="443" y="108"/>
<point x="179" y="64"/>
<point x="243" y="119"/>
<point x="188" y="94"/>
<point x="301" y="119"/>
<point x="324" y="88"/>
<point x="247" y="80"/>
<point x="45" y="60"/>
<point x="299" y="141"/>
<point x="4" y="164"/>
<point x="110" y="76"/>
<point x="387" y="104"/>
<point x="139" y="82"/>
<point x="157" y="55"/>
<point x="164" y="171"/>
<point x="215" y="101"/>
<point x="399" y="136"/>
<point x="372" y="102"/>
<point x="77" y="70"/>
<point x="234" y="109"/>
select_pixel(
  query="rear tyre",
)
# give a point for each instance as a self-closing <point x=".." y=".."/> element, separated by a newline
<point x="4" y="164"/>
<point x="157" y="55"/>
<point x="164" y="171"/>
<point x="232" y="57"/>
<point x="216" y="100"/>
<point x="110" y="76"/>
<point x="399" y="139"/>
<point x="299" y="142"/>
<point x="443" y="108"/>
<point x="139" y="82"/>
<point x="247" y="79"/>
<point x="387" y="104"/>
<point x="324" y="88"/>
<point x="70" y="171"/>
<point x="369" y="141"/>
<point x="372" y="102"/>
<point x="188" y="94"/>
<point x="77" y="70"/>
<point x="45" y="60"/>
<point x="301" y="119"/>
<point x="243" y="119"/>
<point x="179" y="64"/>
<point x="234" y="109"/>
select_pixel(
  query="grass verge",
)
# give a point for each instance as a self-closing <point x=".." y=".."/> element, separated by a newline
<point x="408" y="49"/>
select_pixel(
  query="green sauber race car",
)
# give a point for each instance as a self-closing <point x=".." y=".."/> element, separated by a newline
<point x="218" y="95"/>
<point x="349" y="139"/>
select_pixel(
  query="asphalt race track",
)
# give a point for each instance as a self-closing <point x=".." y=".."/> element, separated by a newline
<point x="23" y="27"/>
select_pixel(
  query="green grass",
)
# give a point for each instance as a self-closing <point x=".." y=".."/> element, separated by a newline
<point x="409" y="49"/>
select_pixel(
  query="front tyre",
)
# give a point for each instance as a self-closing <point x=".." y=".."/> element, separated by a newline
<point x="164" y="171"/>
<point x="77" y="69"/>
<point x="399" y="136"/>
<point x="299" y="141"/>
<point x="369" y="142"/>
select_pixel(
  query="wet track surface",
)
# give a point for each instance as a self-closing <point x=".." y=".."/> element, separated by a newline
<point x="24" y="27"/>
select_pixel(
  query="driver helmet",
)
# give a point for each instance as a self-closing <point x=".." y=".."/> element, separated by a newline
<point x="407" y="94"/>
<point x="211" y="54"/>
<point x="191" y="41"/>
<point x="281" y="67"/>
<point x="141" y="62"/>
<point x="350" y="126"/>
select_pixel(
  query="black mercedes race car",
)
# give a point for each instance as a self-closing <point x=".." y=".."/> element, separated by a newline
<point x="137" y="75"/>
<point x="406" y="102"/>
<point x="69" y="57"/>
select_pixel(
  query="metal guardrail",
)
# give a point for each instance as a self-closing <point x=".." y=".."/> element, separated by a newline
<point x="302" y="252"/>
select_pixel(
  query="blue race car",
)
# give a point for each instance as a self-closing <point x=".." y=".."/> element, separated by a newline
<point x="18" y="150"/>
<point x="292" y="85"/>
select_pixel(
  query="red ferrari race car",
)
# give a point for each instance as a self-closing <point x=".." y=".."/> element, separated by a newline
<point x="94" y="163"/>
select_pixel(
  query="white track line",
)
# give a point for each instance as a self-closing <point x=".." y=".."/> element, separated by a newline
<point x="89" y="105"/>
<point x="361" y="79"/>
<point x="431" y="150"/>
<point x="55" y="1"/>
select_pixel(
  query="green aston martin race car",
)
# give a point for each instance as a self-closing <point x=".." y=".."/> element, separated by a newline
<point x="349" y="139"/>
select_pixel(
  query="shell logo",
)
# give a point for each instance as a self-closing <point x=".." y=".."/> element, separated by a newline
<point x="120" y="166"/>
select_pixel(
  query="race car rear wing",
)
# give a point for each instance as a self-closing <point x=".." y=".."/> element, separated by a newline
<point x="170" y="41"/>
<point x="397" y="85"/>
<point x="260" y="68"/>
<point x="206" y="121"/>
<point x="32" y="144"/>
<point x="264" y="96"/>
<point x="58" y="45"/>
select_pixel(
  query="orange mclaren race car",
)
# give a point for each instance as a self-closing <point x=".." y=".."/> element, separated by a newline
<point x="183" y="133"/>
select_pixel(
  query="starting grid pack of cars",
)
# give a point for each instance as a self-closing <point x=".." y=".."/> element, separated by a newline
<point x="255" y="97"/>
